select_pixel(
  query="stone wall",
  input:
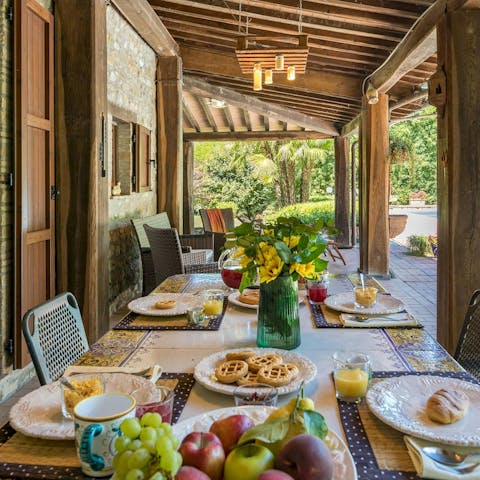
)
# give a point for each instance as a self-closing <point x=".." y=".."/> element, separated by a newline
<point x="131" y="75"/>
<point x="6" y="192"/>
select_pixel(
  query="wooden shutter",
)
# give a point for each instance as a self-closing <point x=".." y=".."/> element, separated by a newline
<point x="34" y="163"/>
<point x="142" y="158"/>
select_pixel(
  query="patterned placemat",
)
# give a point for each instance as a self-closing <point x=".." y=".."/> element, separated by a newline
<point x="134" y="321"/>
<point x="319" y="317"/>
<point x="377" y="449"/>
<point x="23" y="457"/>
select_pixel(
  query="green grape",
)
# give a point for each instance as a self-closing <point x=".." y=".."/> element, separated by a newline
<point x="168" y="461"/>
<point x="167" y="428"/>
<point x="148" y="434"/>
<point x="179" y="460"/>
<point x="175" y="442"/>
<point x="131" y="427"/>
<point x="139" y="458"/>
<point x="135" y="444"/>
<point x="122" y="464"/>
<point x="151" y="419"/>
<point x="158" y="476"/>
<point x="122" y="443"/>
<point x="164" y="445"/>
<point x="135" y="474"/>
<point x="160" y="432"/>
<point x="150" y="446"/>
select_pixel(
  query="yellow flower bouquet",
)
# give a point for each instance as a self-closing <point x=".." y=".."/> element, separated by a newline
<point x="285" y="248"/>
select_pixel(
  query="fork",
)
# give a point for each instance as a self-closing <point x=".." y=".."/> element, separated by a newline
<point x="458" y="470"/>
<point x="365" y="318"/>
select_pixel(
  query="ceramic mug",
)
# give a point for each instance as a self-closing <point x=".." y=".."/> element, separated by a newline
<point x="97" y="425"/>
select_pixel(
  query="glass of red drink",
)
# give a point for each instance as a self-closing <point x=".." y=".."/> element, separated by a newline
<point x="161" y="402"/>
<point x="317" y="291"/>
<point x="231" y="276"/>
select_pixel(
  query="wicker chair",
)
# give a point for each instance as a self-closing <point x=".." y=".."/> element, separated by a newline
<point x="167" y="254"/>
<point x="190" y="243"/>
<point x="55" y="336"/>
<point x="467" y="353"/>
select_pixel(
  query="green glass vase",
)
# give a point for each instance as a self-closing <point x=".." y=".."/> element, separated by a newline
<point x="278" y="320"/>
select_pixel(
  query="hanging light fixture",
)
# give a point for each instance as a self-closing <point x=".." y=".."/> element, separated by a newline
<point x="279" y="61"/>
<point x="257" y="77"/>
<point x="268" y="76"/>
<point x="291" y="72"/>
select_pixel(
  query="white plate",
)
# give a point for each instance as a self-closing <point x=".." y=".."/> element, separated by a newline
<point x="38" y="414"/>
<point x="146" y="305"/>
<point x="205" y="370"/>
<point x="345" y="302"/>
<point x="233" y="298"/>
<point x="344" y="467"/>
<point x="400" y="402"/>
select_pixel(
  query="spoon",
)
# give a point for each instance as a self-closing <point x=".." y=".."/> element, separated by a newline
<point x="458" y="470"/>
<point x="442" y="455"/>
<point x="362" y="281"/>
<point x="156" y="373"/>
<point x="67" y="384"/>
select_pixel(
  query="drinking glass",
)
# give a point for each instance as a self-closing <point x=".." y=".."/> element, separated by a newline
<point x="255" y="394"/>
<point x="161" y="402"/>
<point x="365" y="297"/>
<point x="351" y="373"/>
<point x="317" y="290"/>
<point x="212" y="301"/>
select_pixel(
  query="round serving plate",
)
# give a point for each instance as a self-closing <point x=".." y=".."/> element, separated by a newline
<point x="345" y="302"/>
<point x="146" y="305"/>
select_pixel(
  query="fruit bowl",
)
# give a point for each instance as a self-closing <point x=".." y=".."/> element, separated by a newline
<point x="344" y="467"/>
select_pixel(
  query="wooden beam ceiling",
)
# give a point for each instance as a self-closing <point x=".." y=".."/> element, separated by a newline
<point x="252" y="136"/>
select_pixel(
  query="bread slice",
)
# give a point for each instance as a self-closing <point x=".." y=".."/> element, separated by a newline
<point x="447" y="406"/>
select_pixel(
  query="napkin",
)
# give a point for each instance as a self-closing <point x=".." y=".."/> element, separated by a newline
<point x="74" y="369"/>
<point x="428" y="468"/>
<point x="392" y="320"/>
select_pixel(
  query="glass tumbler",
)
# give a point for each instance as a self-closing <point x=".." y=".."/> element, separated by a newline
<point x="212" y="302"/>
<point x="365" y="297"/>
<point x="317" y="290"/>
<point x="161" y="402"/>
<point x="351" y="373"/>
<point x="255" y="394"/>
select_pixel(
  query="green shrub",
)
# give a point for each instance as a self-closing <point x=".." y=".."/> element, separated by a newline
<point x="419" y="245"/>
<point x="308" y="213"/>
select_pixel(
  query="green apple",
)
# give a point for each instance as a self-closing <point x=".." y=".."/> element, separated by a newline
<point x="247" y="462"/>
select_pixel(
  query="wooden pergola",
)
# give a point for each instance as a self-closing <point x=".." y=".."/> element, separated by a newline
<point x="389" y="48"/>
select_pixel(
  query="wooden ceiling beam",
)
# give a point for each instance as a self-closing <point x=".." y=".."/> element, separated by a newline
<point x="351" y="128"/>
<point x="248" y="122"/>
<point x="325" y="83"/>
<point x="266" y="122"/>
<point x="208" y="113"/>
<point x="189" y="116"/>
<point x="228" y="116"/>
<point x="253" y="136"/>
<point x="141" y="16"/>
<point x="251" y="103"/>
<point x="414" y="97"/>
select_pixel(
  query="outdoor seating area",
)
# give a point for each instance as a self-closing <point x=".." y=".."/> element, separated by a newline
<point x="235" y="242"/>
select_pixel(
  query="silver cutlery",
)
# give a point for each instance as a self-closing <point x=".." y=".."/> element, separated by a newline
<point x="457" y="470"/>
<point x="366" y="318"/>
<point x="445" y="456"/>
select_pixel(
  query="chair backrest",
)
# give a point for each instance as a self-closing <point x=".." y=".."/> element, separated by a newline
<point x="217" y="220"/>
<point x="160" y="220"/>
<point x="467" y="352"/>
<point x="55" y="336"/>
<point x="166" y="252"/>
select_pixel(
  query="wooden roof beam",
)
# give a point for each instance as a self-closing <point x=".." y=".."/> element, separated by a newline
<point x="141" y="16"/>
<point x="199" y="87"/>
<point x="206" y="110"/>
<point x="248" y="122"/>
<point x="331" y="84"/>
<point x="228" y="116"/>
<point x="414" y="97"/>
<point x="253" y="136"/>
<point x="190" y="117"/>
<point x="351" y="128"/>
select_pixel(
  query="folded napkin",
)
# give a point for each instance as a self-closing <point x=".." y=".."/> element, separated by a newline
<point x="390" y="320"/>
<point x="74" y="369"/>
<point x="428" y="468"/>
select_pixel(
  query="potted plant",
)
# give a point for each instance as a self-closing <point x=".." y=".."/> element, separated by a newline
<point x="433" y="240"/>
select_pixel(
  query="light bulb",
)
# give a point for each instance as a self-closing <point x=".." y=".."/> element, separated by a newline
<point x="279" y="62"/>
<point x="268" y="76"/>
<point x="257" y="77"/>
<point x="291" y="72"/>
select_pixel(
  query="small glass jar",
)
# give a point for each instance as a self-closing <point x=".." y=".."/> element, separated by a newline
<point x="351" y="373"/>
<point x="212" y="302"/>
<point x="365" y="297"/>
<point x="255" y="394"/>
<point x="318" y="289"/>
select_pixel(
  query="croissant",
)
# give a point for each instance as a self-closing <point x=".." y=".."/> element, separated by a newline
<point x="447" y="406"/>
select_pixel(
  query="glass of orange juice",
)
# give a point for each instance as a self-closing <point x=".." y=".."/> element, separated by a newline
<point x="212" y="302"/>
<point x="351" y="373"/>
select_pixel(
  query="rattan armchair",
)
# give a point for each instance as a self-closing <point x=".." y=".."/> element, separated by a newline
<point x="467" y="353"/>
<point x="167" y="255"/>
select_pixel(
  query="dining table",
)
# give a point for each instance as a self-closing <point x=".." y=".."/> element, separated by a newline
<point x="377" y="449"/>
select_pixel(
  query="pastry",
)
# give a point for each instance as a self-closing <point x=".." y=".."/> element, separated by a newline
<point x="231" y="371"/>
<point x="250" y="377"/>
<point x="165" y="304"/>
<point x="267" y="360"/>
<point x="250" y="297"/>
<point x="293" y="369"/>
<point x="241" y="355"/>
<point x="275" y="375"/>
<point x="447" y="406"/>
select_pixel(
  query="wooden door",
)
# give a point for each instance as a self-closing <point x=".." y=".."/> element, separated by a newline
<point x="34" y="163"/>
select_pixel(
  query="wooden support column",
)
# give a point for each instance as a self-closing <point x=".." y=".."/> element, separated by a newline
<point x="82" y="204"/>
<point x="373" y="185"/>
<point x="170" y="139"/>
<point x="342" y="191"/>
<point x="188" y="187"/>
<point x="455" y="90"/>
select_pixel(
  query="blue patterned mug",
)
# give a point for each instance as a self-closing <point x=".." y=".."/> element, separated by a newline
<point x="97" y="426"/>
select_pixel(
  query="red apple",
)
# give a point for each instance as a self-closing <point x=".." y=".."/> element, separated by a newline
<point x="305" y="457"/>
<point x="274" y="475"/>
<point x="204" y="451"/>
<point x="230" y="429"/>
<point x="247" y="462"/>
<point x="191" y="473"/>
